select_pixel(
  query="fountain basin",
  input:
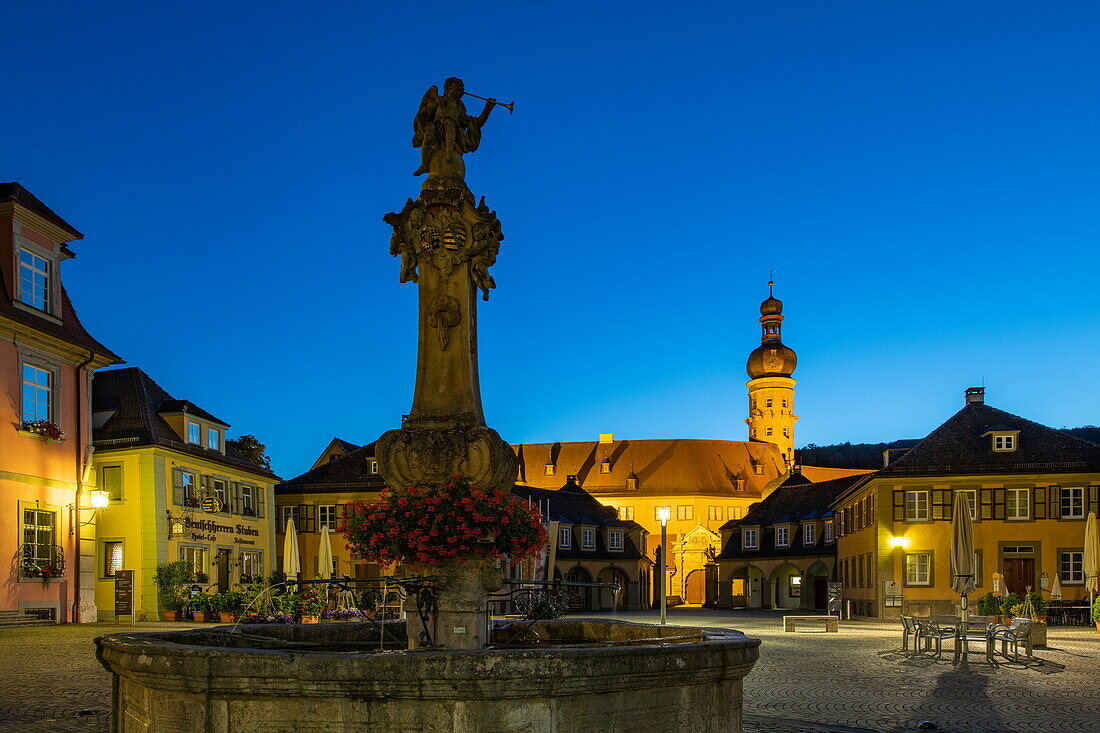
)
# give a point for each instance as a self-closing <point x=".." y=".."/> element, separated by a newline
<point x="579" y="676"/>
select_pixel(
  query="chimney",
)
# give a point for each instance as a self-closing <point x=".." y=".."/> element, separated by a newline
<point x="975" y="395"/>
<point x="607" y="437"/>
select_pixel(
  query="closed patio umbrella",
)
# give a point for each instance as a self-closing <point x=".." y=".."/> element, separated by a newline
<point x="324" y="555"/>
<point x="292" y="564"/>
<point x="963" y="580"/>
<point x="1092" y="556"/>
<point x="1056" y="589"/>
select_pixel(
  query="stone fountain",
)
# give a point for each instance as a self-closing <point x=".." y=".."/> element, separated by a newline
<point x="470" y="676"/>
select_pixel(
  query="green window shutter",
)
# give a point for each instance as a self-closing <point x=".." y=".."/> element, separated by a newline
<point x="899" y="506"/>
<point x="998" y="503"/>
<point x="177" y="486"/>
<point x="1039" y="496"/>
<point x="1094" y="499"/>
<point x="986" y="496"/>
<point x="1055" y="502"/>
<point x="261" y="495"/>
<point x="235" y="497"/>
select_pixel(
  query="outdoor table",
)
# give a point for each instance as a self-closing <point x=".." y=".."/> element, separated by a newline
<point x="973" y="630"/>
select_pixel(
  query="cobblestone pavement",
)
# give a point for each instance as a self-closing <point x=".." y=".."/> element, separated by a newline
<point x="809" y="682"/>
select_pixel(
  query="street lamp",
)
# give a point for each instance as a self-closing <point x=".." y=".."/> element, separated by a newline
<point x="662" y="514"/>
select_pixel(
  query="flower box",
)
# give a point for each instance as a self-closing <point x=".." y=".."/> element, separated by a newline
<point x="44" y="429"/>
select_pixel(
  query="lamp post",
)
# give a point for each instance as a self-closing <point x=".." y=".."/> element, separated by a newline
<point x="662" y="514"/>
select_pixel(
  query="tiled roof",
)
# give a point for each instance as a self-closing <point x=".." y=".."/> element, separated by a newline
<point x="348" y="472"/>
<point x="169" y="407"/>
<point x="663" y="466"/>
<point x="791" y="504"/>
<point x="958" y="446"/>
<point x="14" y="192"/>
<point x="347" y="445"/>
<point x="573" y="505"/>
<point x="135" y="400"/>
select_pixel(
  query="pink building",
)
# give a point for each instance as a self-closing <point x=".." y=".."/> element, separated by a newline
<point x="46" y="363"/>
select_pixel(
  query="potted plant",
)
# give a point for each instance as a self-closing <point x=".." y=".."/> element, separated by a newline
<point x="202" y="605"/>
<point x="45" y="430"/>
<point x="230" y="603"/>
<point x="1096" y="613"/>
<point x="172" y="579"/>
<point x="1040" y="605"/>
<point x="1008" y="604"/>
<point x="311" y="603"/>
<point x="990" y="605"/>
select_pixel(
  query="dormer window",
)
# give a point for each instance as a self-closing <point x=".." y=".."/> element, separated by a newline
<point x="782" y="536"/>
<point x="194" y="433"/>
<point x="828" y="533"/>
<point x="632" y="483"/>
<point x="549" y="469"/>
<point x="213" y="439"/>
<point x="588" y="539"/>
<point x="809" y="534"/>
<point x="748" y="539"/>
<point x="373" y="466"/>
<point x="605" y="466"/>
<point x="565" y="537"/>
<point x="758" y="469"/>
<point x="1004" y="442"/>
<point x="615" y="539"/>
<point x="34" y="280"/>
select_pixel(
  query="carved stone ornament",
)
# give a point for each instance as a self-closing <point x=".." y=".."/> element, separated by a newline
<point x="433" y="456"/>
<point x="443" y="315"/>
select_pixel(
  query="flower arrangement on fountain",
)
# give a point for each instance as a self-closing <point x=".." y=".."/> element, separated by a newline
<point x="437" y="525"/>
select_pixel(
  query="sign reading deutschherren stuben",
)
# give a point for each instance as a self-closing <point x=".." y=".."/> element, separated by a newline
<point x="208" y="529"/>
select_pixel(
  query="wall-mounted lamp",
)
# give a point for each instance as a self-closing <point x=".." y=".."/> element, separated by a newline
<point x="100" y="499"/>
<point x="899" y="542"/>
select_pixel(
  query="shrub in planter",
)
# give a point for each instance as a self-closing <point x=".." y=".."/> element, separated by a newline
<point x="311" y="602"/>
<point x="229" y="605"/>
<point x="989" y="605"/>
<point x="1096" y="613"/>
<point x="1010" y="601"/>
<point x="202" y="605"/>
<point x="1039" y="604"/>
<point x="172" y="580"/>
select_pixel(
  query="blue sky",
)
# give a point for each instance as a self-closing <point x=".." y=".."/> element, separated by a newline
<point x="923" y="177"/>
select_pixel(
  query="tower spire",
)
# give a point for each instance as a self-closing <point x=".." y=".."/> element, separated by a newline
<point x="771" y="388"/>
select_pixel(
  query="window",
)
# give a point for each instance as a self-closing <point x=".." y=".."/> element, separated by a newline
<point x="615" y="539"/>
<point x="768" y="402"/>
<point x="715" y="513"/>
<point x="828" y="532"/>
<point x="38" y="538"/>
<point x="786" y="432"/>
<point x="112" y="558"/>
<point x="918" y="569"/>
<point x="785" y="402"/>
<point x="37" y="393"/>
<point x="1005" y="442"/>
<point x="196" y="556"/>
<point x="565" y="537"/>
<point x="749" y="539"/>
<point x="194" y="434"/>
<point x="1073" y="502"/>
<point x="220" y="493"/>
<point x="289" y="512"/>
<point x="248" y="507"/>
<point x="111" y="481"/>
<point x="34" y="280"/>
<point x="733" y="512"/>
<point x="657" y="512"/>
<point x="187" y="480"/>
<point x="758" y="469"/>
<point x="605" y="466"/>
<point x="685" y="511"/>
<point x="767" y="431"/>
<point x="588" y="539"/>
<point x="1017" y="503"/>
<point x="251" y="565"/>
<point x="1071" y="566"/>
<point x="374" y="466"/>
<point x="213" y="439"/>
<point x="781" y="534"/>
<point x="916" y="506"/>
<point x="971" y="501"/>
<point x="859" y="575"/>
<point x="626" y="512"/>
<point x="549" y="469"/>
<point x="809" y="534"/>
<point x="326" y="516"/>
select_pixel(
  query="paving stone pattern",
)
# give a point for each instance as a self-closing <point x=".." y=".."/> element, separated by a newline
<point x="805" y="682"/>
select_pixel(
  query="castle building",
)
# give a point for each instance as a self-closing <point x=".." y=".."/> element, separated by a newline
<point x="771" y="388"/>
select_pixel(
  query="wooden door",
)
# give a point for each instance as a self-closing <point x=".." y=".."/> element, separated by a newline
<point x="223" y="570"/>
<point x="1019" y="573"/>
<point x="821" y="592"/>
<point x="696" y="587"/>
<point x="737" y="593"/>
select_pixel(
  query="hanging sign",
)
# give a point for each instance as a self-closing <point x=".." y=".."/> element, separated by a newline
<point x="213" y="505"/>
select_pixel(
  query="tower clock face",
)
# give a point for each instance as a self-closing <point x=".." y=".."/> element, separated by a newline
<point x="772" y="360"/>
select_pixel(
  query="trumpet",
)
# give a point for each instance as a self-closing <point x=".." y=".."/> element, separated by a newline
<point x="511" y="106"/>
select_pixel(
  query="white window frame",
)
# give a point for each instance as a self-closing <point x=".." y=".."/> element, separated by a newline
<point x="221" y="491"/>
<point x="189" y="489"/>
<point x="286" y="513"/>
<point x="615" y="539"/>
<point x="1004" y="443"/>
<point x="46" y="274"/>
<point x="919" y="571"/>
<point x="213" y="439"/>
<point x="918" y="505"/>
<point x="733" y="512"/>
<point x="118" y="494"/>
<point x="1065" y="498"/>
<point x="809" y="534"/>
<point x="194" y="433"/>
<point x="565" y="537"/>
<point x="782" y="536"/>
<point x="37" y="388"/>
<point x="685" y="512"/>
<point x="588" y="539"/>
<point x="1017" y="504"/>
<point x="255" y="559"/>
<point x="1076" y="574"/>
<point x="829" y="533"/>
<point x="374" y="466"/>
<point x="322" y="520"/>
<point x="749" y="539"/>
<point x="248" y="499"/>
<point x="188" y="551"/>
<point x="626" y="512"/>
<point x="715" y="513"/>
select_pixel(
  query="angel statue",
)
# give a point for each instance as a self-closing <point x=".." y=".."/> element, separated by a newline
<point x="444" y="132"/>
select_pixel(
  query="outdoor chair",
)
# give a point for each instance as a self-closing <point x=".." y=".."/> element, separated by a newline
<point x="1018" y="633"/>
<point x="909" y="628"/>
<point x="932" y="634"/>
<point x="976" y="628"/>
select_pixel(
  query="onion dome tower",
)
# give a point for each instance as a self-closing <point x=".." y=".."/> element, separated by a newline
<point x="771" y="389"/>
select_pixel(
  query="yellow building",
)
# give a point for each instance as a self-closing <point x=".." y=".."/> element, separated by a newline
<point x="1030" y="489"/>
<point x="771" y="389"/>
<point x="177" y="491"/>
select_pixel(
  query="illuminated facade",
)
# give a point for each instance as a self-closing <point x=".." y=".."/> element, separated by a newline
<point x="46" y="363"/>
<point x="177" y="490"/>
<point x="771" y="388"/>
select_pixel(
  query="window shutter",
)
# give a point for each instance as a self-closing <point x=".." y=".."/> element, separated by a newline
<point x="899" y="506"/>
<point x="177" y="486"/>
<point x="235" y="497"/>
<point x="987" y="503"/>
<point x="1039" y="495"/>
<point x="340" y="515"/>
<point x="1055" y="502"/>
<point x="1094" y="499"/>
<point x="259" y="496"/>
<point x="998" y="503"/>
<point x="938" y="503"/>
<point x="305" y="512"/>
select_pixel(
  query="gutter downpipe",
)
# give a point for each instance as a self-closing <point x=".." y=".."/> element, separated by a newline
<point x="81" y="383"/>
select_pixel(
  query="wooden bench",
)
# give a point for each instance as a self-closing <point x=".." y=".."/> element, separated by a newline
<point x="831" y="623"/>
